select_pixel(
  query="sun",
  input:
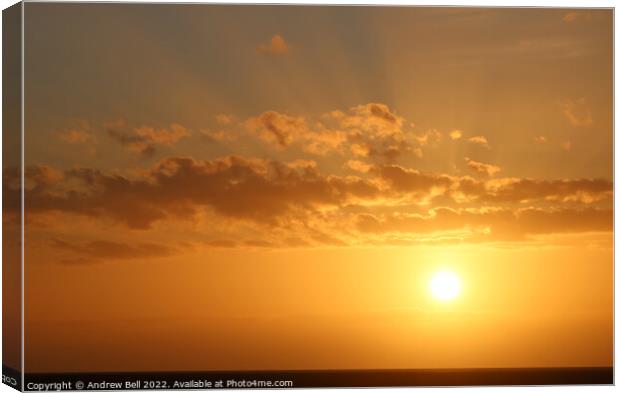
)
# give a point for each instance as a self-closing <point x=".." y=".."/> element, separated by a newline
<point x="445" y="285"/>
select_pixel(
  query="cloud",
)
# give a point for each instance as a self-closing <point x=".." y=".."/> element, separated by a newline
<point x="277" y="128"/>
<point x="224" y="119"/>
<point x="76" y="136"/>
<point x="302" y="164"/>
<point x="570" y="17"/>
<point x="407" y="181"/>
<point x="374" y="130"/>
<point x="515" y="190"/>
<point x="218" y="136"/>
<point x="358" y="166"/>
<point x="347" y="177"/>
<point x="371" y="130"/>
<point x="81" y="132"/>
<point x="490" y="224"/>
<point x="479" y="140"/>
<point x="268" y="191"/>
<point x="252" y="202"/>
<point x="577" y="112"/>
<point x="481" y="167"/>
<point x="276" y="46"/>
<point x="41" y="175"/>
<point x="254" y="190"/>
<point x="360" y="150"/>
<point x="145" y="140"/>
<point x="412" y="181"/>
<point x="321" y="140"/>
<point x="374" y="120"/>
<point x="432" y="136"/>
<point x="282" y="130"/>
<point x="102" y="250"/>
<point x="456" y="134"/>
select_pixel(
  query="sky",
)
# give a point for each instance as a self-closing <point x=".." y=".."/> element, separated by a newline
<point x="273" y="187"/>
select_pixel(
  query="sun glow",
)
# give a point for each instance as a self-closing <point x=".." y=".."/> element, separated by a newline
<point x="445" y="285"/>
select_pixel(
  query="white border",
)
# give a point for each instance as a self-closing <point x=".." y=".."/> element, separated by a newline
<point x="470" y="3"/>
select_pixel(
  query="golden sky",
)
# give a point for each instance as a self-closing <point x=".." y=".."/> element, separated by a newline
<point x="273" y="187"/>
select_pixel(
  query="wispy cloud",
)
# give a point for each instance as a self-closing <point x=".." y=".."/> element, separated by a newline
<point x="105" y="250"/>
<point x="479" y="140"/>
<point x="145" y="140"/>
<point x="76" y="136"/>
<point x="276" y="46"/>
<point x="481" y="167"/>
<point x="577" y="112"/>
<point x="570" y="17"/>
<point x="224" y="119"/>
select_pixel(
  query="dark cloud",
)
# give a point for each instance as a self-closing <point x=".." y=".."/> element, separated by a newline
<point x="309" y="206"/>
<point x="277" y="127"/>
<point x="380" y="111"/>
<point x="260" y="191"/>
<point x="410" y="180"/>
<point x="145" y="140"/>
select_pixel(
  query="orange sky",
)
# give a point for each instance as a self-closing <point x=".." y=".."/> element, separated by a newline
<point x="273" y="187"/>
